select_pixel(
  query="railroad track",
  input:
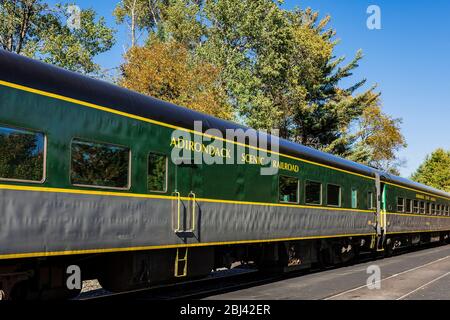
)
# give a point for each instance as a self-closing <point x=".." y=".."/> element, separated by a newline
<point x="222" y="282"/>
<point x="193" y="289"/>
<point x="197" y="289"/>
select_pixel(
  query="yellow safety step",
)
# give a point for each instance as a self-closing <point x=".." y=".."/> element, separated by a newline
<point x="380" y="244"/>
<point x="372" y="242"/>
<point x="181" y="262"/>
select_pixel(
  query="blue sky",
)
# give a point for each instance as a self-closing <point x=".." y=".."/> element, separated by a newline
<point x="408" y="59"/>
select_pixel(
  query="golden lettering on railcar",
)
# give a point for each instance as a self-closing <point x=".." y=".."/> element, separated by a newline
<point x="285" y="166"/>
<point x="252" y="159"/>
<point x="200" y="148"/>
<point x="424" y="197"/>
<point x="247" y="158"/>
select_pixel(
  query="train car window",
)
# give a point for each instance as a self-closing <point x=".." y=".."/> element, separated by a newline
<point x="438" y="210"/>
<point x="433" y="209"/>
<point x="288" y="188"/>
<point x="333" y="195"/>
<point x="422" y="207"/>
<point x="448" y="211"/>
<point x="428" y="208"/>
<point x="22" y="155"/>
<point x="100" y="165"/>
<point x="408" y="205"/>
<point x="416" y="206"/>
<point x="354" y="198"/>
<point x="370" y="202"/>
<point x="400" y="205"/>
<point x="157" y="173"/>
<point x="313" y="193"/>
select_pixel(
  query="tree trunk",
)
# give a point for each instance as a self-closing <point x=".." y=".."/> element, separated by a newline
<point x="133" y="24"/>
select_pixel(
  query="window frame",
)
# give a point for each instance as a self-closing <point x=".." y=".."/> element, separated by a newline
<point x="340" y="195"/>
<point x="433" y="209"/>
<point x="127" y="188"/>
<point x="166" y="182"/>
<point x="44" y="159"/>
<point x="414" y="207"/>
<point x="422" y="207"/>
<point x="354" y="189"/>
<point x="403" y="205"/>
<point x="427" y="208"/>
<point x="410" y="203"/>
<point x="321" y="193"/>
<point x="298" y="189"/>
<point x="370" y="200"/>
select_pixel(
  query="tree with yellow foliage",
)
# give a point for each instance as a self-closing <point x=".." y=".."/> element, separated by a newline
<point x="168" y="71"/>
<point x="378" y="138"/>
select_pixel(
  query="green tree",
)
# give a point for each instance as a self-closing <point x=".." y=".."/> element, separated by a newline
<point x="168" y="19"/>
<point x="281" y="73"/>
<point x="34" y="29"/>
<point x="278" y="70"/>
<point x="138" y="15"/>
<point x="323" y="110"/>
<point x="249" y="41"/>
<point x="183" y="21"/>
<point x="435" y="170"/>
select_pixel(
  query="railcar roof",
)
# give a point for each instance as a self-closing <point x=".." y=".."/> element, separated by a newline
<point x="37" y="75"/>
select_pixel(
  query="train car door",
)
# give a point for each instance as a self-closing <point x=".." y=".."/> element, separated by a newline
<point x="381" y="212"/>
<point x="185" y="206"/>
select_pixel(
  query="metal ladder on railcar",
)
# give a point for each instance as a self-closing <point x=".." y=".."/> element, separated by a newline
<point x="181" y="262"/>
<point x="182" y="253"/>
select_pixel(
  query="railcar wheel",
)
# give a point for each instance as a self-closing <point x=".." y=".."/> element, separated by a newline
<point x="325" y="258"/>
<point x="389" y="247"/>
<point x="20" y="291"/>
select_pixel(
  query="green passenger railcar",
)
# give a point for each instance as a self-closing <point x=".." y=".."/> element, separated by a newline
<point x="89" y="175"/>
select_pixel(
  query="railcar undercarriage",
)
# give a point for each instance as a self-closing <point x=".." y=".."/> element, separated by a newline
<point x="46" y="278"/>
